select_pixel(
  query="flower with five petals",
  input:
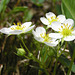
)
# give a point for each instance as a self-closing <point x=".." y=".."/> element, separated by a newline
<point x="65" y="30"/>
<point x="51" y="17"/>
<point x="41" y="36"/>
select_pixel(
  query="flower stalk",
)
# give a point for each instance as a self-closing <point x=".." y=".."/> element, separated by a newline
<point x="71" y="62"/>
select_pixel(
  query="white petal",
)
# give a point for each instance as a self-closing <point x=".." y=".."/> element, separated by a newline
<point x="5" y="30"/>
<point x="73" y="32"/>
<point x="61" y="18"/>
<point x="44" y="21"/>
<point x="69" y="22"/>
<point x="13" y="26"/>
<point x="40" y="30"/>
<point x="55" y="35"/>
<point x="27" y="24"/>
<point x="54" y="43"/>
<point x="69" y="38"/>
<point x="39" y="39"/>
<point x="15" y="32"/>
<point x="56" y="26"/>
<point x="29" y="28"/>
<point x="34" y="33"/>
<point x="50" y="14"/>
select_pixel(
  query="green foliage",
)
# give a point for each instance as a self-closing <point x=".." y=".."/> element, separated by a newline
<point x="19" y="9"/>
<point x="28" y="14"/>
<point x="44" y="54"/>
<point x="58" y="9"/>
<point x="37" y="1"/>
<point x="66" y="62"/>
<point x="73" y="68"/>
<point x="3" y="5"/>
<point x="68" y="8"/>
<point x="71" y="46"/>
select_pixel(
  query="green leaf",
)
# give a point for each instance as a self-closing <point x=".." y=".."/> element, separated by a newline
<point x="41" y="1"/>
<point x="73" y="68"/>
<point x="37" y="1"/>
<point x="3" y="5"/>
<point x="68" y="8"/>
<point x="28" y="14"/>
<point x="18" y="9"/>
<point x="71" y="46"/>
<point x="44" y="53"/>
<point x="66" y="62"/>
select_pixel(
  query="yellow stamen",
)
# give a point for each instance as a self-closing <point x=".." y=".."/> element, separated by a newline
<point x="66" y="31"/>
<point x="12" y="28"/>
<point x="62" y="27"/>
<point x="45" y="37"/>
<point x="14" y="23"/>
<point x="52" y="19"/>
<point x="18" y="27"/>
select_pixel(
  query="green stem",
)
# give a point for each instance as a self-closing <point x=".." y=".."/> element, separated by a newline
<point x="39" y="72"/>
<point x="24" y="44"/>
<point x="33" y="56"/>
<point x="55" y="66"/>
<point x="46" y="72"/>
<point x="71" y="62"/>
<point x="51" y="63"/>
<point x="57" y="56"/>
<point x="27" y="57"/>
<point x="44" y="56"/>
<point x="64" y="49"/>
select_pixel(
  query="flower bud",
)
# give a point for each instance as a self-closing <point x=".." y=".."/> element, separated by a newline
<point x="21" y="52"/>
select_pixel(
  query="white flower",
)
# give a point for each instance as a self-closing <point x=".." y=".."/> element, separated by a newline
<point x="65" y="30"/>
<point x="18" y="29"/>
<point x="51" y="17"/>
<point x="41" y="36"/>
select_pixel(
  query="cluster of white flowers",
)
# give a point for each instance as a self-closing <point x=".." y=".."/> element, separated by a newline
<point x="63" y="27"/>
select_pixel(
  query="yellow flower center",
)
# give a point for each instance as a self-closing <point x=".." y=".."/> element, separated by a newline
<point x="46" y="37"/>
<point x="52" y="19"/>
<point x="18" y="27"/>
<point x="66" y="30"/>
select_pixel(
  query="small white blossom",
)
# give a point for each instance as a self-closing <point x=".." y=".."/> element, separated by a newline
<point x="65" y="30"/>
<point x="51" y="17"/>
<point x="18" y="29"/>
<point x="41" y="36"/>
